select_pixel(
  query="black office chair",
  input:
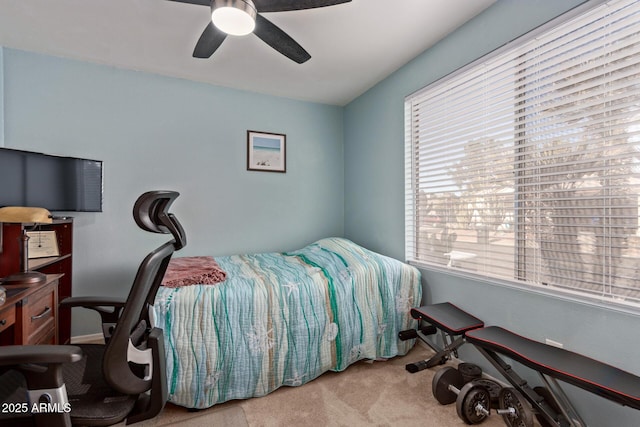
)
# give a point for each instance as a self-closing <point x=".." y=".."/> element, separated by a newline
<point x="95" y="384"/>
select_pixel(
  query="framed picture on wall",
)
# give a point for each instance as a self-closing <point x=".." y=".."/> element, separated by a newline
<point x="266" y="151"/>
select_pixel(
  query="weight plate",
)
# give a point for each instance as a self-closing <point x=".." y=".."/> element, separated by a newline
<point x="522" y="415"/>
<point x="469" y="371"/>
<point x="444" y="378"/>
<point x="473" y="403"/>
<point x="494" y="388"/>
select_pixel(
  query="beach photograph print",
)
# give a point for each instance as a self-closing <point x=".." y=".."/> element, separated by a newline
<point x="266" y="151"/>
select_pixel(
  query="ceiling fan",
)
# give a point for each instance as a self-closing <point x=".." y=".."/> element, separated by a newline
<point x="242" y="17"/>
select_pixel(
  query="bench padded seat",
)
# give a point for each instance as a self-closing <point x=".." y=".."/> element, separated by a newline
<point x="447" y="317"/>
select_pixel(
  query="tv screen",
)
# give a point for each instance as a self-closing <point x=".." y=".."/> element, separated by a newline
<point x="52" y="182"/>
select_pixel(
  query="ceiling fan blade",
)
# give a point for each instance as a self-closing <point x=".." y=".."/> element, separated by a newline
<point x="286" y="5"/>
<point x="209" y="41"/>
<point x="279" y="40"/>
<point x="199" y="2"/>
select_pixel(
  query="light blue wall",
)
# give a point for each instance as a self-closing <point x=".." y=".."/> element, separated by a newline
<point x="1" y="96"/>
<point x="155" y="132"/>
<point x="374" y="209"/>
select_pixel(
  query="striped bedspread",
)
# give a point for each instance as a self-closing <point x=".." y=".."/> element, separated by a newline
<point x="283" y="319"/>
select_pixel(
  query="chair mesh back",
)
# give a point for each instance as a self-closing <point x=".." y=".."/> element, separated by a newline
<point x="151" y="214"/>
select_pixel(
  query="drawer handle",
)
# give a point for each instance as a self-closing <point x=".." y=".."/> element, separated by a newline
<point x="3" y="322"/>
<point x="46" y="311"/>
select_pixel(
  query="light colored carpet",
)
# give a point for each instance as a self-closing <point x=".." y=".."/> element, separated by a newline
<point x="225" y="415"/>
<point x="366" y="394"/>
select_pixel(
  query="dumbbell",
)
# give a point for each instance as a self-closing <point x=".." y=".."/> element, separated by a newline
<point x="473" y="400"/>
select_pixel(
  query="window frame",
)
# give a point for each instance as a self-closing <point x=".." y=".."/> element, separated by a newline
<point x="410" y="199"/>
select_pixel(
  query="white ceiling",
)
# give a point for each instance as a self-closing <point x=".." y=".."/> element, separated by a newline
<point x="353" y="46"/>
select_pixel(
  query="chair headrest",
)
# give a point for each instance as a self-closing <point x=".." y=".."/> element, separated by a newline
<point x="151" y="213"/>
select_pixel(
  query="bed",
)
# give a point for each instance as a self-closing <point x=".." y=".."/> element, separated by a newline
<point x="283" y="319"/>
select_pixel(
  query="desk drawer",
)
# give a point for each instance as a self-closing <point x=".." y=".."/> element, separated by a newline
<point x="7" y="317"/>
<point x="39" y="315"/>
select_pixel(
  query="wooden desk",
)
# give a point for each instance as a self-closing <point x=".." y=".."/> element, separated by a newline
<point x="10" y="262"/>
<point x="30" y="314"/>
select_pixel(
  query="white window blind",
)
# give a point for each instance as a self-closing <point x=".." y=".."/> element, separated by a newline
<point x="526" y="166"/>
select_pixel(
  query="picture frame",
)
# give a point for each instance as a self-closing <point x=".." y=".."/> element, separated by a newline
<point x="43" y="244"/>
<point x="266" y="151"/>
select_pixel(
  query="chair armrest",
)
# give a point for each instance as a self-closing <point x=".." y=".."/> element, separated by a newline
<point x="40" y="354"/>
<point x="92" y="302"/>
<point x="41" y="366"/>
<point x="108" y="308"/>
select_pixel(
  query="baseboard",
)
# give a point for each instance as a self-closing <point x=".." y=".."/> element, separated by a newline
<point x="88" y="339"/>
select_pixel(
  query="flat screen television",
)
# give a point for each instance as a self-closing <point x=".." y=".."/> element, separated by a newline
<point x="52" y="182"/>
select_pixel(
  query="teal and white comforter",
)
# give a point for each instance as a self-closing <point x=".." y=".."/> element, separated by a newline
<point x="284" y="319"/>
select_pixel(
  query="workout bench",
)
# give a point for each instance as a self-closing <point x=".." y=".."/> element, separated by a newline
<point x="518" y="404"/>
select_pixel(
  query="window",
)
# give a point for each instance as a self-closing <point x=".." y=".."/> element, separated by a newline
<point x="525" y="166"/>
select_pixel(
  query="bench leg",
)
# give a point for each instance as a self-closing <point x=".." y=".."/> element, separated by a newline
<point x="544" y="410"/>
<point x="441" y="356"/>
<point x="562" y="400"/>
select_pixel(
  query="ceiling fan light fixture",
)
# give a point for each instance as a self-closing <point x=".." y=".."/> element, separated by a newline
<point x="234" y="17"/>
